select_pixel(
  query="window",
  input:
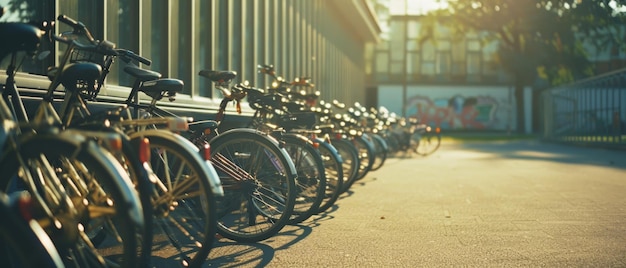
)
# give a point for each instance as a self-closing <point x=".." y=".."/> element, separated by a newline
<point x="443" y="59"/>
<point x="122" y="28"/>
<point x="443" y="63"/>
<point x="204" y="32"/>
<point x="156" y="38"/>
<point x="473" y="67"/>
<point x="429" y="58"/>
<point x="235" y="36"/>
<point x="413" y="63"/>
<point x="397" y="46"/>
<point x="382" y="62"/>
<point x="248" y="46"/>
<point x="181" y="41"/>
<point x="18" y="11"/>
<point x="458" y="58"/>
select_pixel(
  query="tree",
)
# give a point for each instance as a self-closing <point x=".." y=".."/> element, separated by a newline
<point x="537" y="38"/>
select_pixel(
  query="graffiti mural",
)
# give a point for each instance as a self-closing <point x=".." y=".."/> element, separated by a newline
<point x="453" y="107"/>
<point x="457" y="112"/>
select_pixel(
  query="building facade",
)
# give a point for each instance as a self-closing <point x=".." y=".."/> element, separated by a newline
<point x="321" y="39"/>
<point x="450" y="80"/>
<point x="440" y="77"/>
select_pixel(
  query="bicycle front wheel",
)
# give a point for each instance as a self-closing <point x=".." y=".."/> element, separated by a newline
<point x="366" y="155"/>
<point x="311" y="180"/>
<point x="350" y="161"/>
<point x="258" y="179"/>
<point x="380" y="151"/>
<point x="82" y="191"/>
<point x="334" y="174"/>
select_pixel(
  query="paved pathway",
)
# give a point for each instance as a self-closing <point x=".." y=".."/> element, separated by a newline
<point x="512" y="204"/>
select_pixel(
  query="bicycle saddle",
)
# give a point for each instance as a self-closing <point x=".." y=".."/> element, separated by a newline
<point x="158" y="88"/>
<point x="142" y="74"/>
<point x="22" y="36"/>
<point x="218" y="76"/>
<point x="202" y="125"/>
<point x="81" y="71"/>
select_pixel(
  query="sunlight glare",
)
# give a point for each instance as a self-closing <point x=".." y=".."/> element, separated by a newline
<point x="413" y="7"/>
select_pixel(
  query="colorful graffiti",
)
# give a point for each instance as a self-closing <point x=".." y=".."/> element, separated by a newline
<point x="457" y="112"/>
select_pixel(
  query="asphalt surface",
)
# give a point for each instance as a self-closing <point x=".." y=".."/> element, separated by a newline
<point x="506" y="204"/>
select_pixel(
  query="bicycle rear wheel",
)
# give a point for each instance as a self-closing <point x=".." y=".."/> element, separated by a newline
<point x="258" y="178"/>
<point x="184" y="205"/>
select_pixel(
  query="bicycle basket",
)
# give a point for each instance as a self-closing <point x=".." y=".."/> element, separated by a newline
<point x="92" y="56"/>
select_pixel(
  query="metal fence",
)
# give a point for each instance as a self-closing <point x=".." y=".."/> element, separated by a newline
<point x="590" y="112"/>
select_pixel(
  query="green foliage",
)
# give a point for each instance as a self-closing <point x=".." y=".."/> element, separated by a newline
<point x="544" y="35"/>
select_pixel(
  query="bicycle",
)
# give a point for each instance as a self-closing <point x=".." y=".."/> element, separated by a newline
<point x="79" y="188"/>
<point x="231" y="170"/>
<point x="291" y="110"/>
<point x="185" y="183"/>
<point x="425" y="139"/>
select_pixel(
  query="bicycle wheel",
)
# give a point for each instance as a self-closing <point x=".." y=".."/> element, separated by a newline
<point x="366" y="155"/>
<point x="427" y="142"/>
<point x="380" y="151"/>
<point x="80" y="190"/>
<point x="392" y="142"/>
<point x="311" y="180"/>
<point x="23" y="243"/>
<point x="258" y="178"/>
<point x="334" y="174"/>
<point x="128" y="157"/>
<point x="350" y="161"/>
<point x="184" y="205"/>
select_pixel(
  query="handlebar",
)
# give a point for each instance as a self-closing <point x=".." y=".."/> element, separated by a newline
<point x="267" y="69"/>
<point x="103" y="47"/>
<point x="78" y="26"/>
<point x="127" y="54"/>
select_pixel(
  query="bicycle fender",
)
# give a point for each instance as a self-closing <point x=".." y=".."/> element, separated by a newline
<point x="214" y="180"/>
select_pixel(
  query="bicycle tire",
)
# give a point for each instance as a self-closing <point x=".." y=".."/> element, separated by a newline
<point x="366" y="154"/>
<point x="248" y="181"/>
<point x="380" y="151"/>
<point x="139" y="174"/>
<point x="23" y="243"/>
<point x="350" y="164"/>
<point x="184" y="206"/>
<point x="428" y="143"/>
<point x="334" y="174"/>
<point x="311" y="178"/>
<point x="109" y="191"/>
<point x="392" y="142"/>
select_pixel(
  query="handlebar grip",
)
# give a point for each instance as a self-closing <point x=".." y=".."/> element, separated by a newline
<point x="136" y="57"/>
<point x="69" y="21"/>
<point x="143" y="60"/>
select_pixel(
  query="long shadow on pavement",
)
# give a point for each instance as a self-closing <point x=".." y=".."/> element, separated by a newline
<point x="227" y="253"/>
<point x="545" y="151"/>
